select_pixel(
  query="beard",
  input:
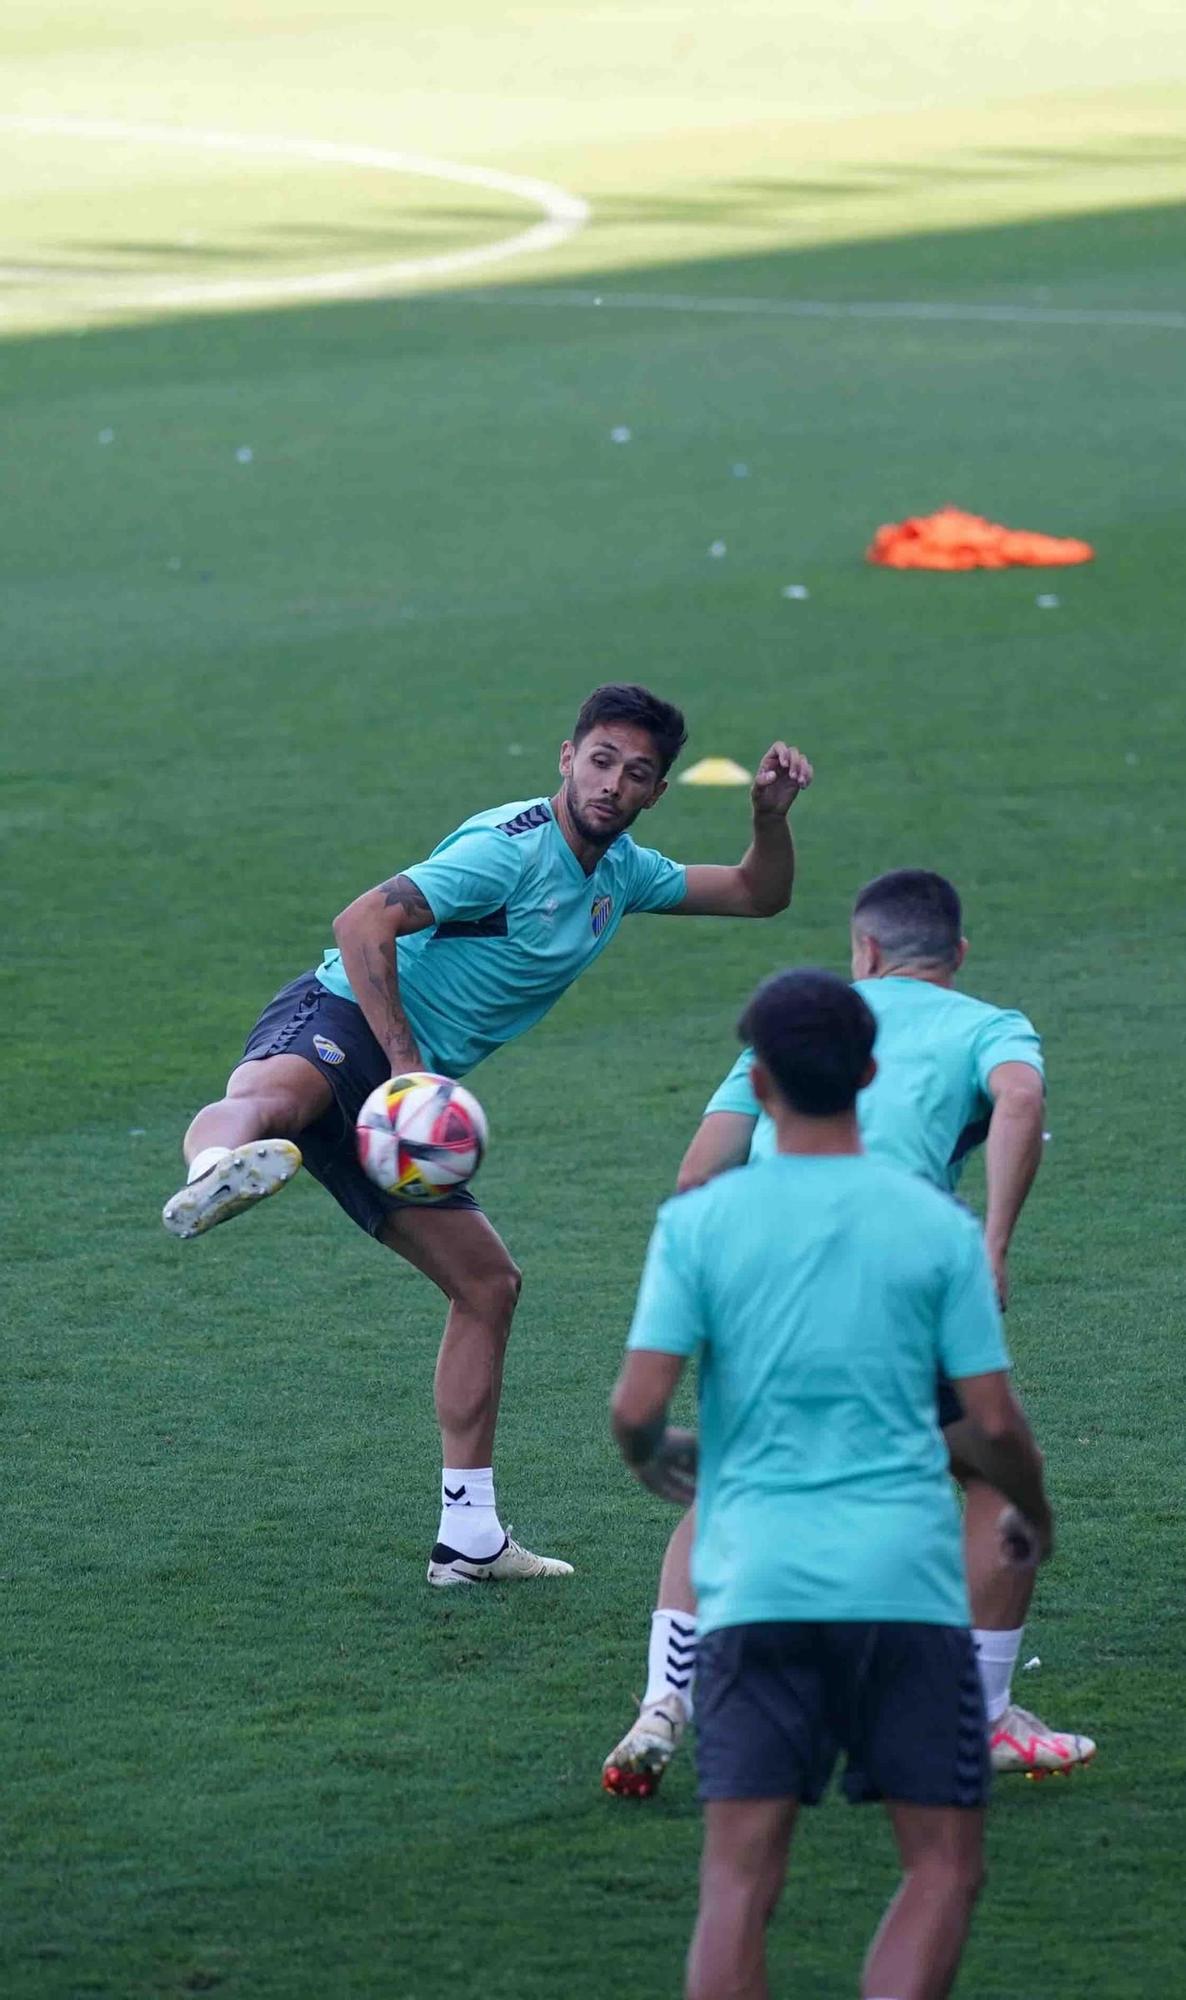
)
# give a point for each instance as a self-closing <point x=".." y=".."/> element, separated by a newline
<point x="596" y="832"/>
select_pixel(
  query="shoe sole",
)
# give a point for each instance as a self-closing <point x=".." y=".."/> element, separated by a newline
<point x="638" y="1779"/>
<point x="246" y="1175"/>
<point x="1053" y="1771"/>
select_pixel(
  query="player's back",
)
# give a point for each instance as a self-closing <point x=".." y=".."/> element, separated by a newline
<point x="936" y="1047"/>
<point x="826" y="1291"/>
<point x="928" y="1106"/>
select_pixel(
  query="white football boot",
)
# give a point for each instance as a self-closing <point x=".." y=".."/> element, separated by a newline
<point x="512" y="1564"/>
<point x="635" y="1766"/>
<point x="242" y="1177"/>
<point x="1019" y="1741"/>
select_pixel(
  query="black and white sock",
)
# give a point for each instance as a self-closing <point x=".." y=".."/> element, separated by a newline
<point x="671" y="1660"/>
<point x="469" y="1518"/>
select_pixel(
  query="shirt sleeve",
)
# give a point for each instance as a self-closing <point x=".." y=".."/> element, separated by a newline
<point x="971" y="1336"/>
<point x="1007" y="1037"/>
<point x="669" y="1316"/>
<point x="656" y="883"/>
<point x="470" y="877"/>
<point x="736" y="1093"/>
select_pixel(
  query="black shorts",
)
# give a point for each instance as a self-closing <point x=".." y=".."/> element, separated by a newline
<point x="776" y="1704"/>
<point x="306" y="1019"/>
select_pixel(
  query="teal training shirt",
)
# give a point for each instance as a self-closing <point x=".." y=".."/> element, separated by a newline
<point x="928" y="1106"/>
<point x="822" y="1295"/>
<point x="517" y="920"/>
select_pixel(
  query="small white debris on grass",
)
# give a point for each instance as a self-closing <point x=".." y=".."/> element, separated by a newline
<point x="244" y="454"/>
<point x="621" y="434"/>
<point x="1030" y="1665"/>
<point x="1047" y="602"/>
<point x="107" y="437"/>
<point x="796" y="590"/>
<point x="598" y="302"/>
<point x="716" y="548"/>
<point x="1047" y="1137"/>
<point x="138" y="1132"/>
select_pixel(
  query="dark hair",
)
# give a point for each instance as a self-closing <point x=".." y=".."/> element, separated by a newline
<point x="814" y="1034"/>
<point x="914" y="916"/>
<point x="625" y="701"/>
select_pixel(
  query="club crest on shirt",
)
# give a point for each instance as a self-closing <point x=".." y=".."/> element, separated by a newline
<point x="328" y="1051"/>
<point x="602" y="911"/>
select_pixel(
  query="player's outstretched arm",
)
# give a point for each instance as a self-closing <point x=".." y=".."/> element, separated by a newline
<point x="760" y="884"/>
<point x="365" y="934"/>
<point x="1012" y="1156"/>
<point x="721" y="1140"/>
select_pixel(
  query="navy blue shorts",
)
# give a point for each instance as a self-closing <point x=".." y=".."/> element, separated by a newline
<point x="306" y="1019"/>
<point x="776" y="1704"/>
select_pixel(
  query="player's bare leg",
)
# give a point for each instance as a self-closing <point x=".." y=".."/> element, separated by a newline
<point x="742" y="1870"/>
<point x="1000" y="1597"/>
<point x="467" y="1260"/>
<point x="917" y="1950"/>
<point x="239" y="1150"/>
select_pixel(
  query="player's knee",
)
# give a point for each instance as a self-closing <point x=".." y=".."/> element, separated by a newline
<point x="492" y="1294"/>
<point x="282" y="1103"/>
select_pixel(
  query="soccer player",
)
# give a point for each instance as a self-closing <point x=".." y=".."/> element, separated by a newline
<point x="822" y="1290"/>
<point x="434" y="970"/>
<point x="953" y="1072"/>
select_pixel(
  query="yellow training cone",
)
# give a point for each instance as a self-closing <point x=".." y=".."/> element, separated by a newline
<point x="716" y="771"/>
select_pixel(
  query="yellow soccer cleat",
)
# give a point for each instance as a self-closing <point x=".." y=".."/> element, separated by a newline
<point x="512" y="1564"/>
<point x="242" y="1177"/>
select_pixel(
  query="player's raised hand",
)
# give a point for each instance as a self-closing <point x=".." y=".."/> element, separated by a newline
<point x="783" y="773"/>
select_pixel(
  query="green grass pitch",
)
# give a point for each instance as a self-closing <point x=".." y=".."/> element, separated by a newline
<point x="245" y="1749"/>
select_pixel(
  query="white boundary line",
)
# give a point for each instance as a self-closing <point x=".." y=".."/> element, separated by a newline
<point x="923" y="310"/>
<point x="564" y="213"/>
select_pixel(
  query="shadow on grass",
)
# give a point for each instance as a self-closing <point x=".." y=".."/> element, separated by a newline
<point x="1129" y="258"/>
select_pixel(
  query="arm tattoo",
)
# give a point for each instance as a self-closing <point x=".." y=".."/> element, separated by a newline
<point x="401" y="893"/>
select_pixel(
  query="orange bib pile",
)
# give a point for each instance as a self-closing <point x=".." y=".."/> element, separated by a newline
<point x="952" y="539"/>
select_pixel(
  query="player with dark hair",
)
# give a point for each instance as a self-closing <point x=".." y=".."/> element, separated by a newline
<point x="953" y="1072"/>
<point x="822" y="1291"/>
<point x="434" y="970"/>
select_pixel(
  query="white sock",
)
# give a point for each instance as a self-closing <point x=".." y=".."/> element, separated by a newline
<point x="203" y="1161"/>
<point x="469" y="1517"/>
<point x="671" y="1659"/>
<point x="996" y="1657"/>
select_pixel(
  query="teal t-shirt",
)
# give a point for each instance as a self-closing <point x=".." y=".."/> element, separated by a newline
<point x="928" y="1106"/>
<point x="517" y="920"/>
<point x="822" y="1297"/>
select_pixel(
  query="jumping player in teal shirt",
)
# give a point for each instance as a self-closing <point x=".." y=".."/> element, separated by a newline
<point x="822" y="1290"/>
<point x="435" y="969"/>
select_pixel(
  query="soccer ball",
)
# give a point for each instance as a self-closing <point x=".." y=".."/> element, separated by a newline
<point x="421" y="1136"/>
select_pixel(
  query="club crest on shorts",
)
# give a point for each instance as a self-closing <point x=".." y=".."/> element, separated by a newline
<point x="328" y="1051"/>
<point x="602" y="911"/>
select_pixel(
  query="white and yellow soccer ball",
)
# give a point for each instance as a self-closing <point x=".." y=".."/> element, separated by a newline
<point x="421" y="1136"/>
